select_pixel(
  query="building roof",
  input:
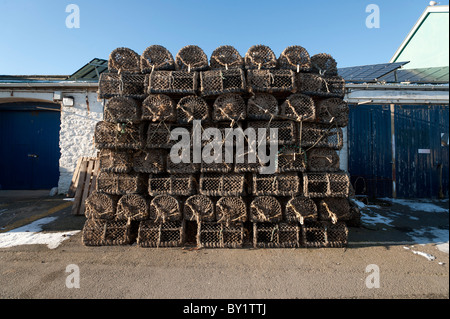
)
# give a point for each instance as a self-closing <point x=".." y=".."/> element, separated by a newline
<point x="368" y="73"/>
<point x="434" y="75"/>
<point x="91" y="71"/>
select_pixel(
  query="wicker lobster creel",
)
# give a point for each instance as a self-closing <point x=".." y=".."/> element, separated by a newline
<point x="332" y="111"/>
<point x="120" y="183"/>
<point x="295" y="58"/>
<point x="286" y="130"/>
<point x="231" y="209"/>
<point x="132" y="207"/>
<point x="322" y="86"/>
<point x="155" y="58"/>
<point x="276" y="235"/>
<point x="157" y="234"/>
<point x="286" y="184"/>
<point x="324" y="64"/>
<point x="260" y="57"/>
<point x="216" y="82"/>
<point x="158" y="108"/>
<point x="101" y="206"/>
<point x="299" y="107"/>
<point x="115" y="161"/>
<point x="101" y="232"/>
<point x="124" y="60"/>
<point x="326" y="185"/>
<point x="164" y="208"/>
<point x="199" y="208"/>
<point x="171" y="82"/>
<point x="248" y="160"/>
<point x="291" y="158"/>
<point x="118" y="136"/>
<point x="216" y="184"/>
<point x="300" y="209"/>
<point x="216" y="162"/>
<point x="220" y="235"/>
<point x="335" y="209"/>
<point x="323" y="160"/>
<point x="191" y="108"/>
<point x="172" y="184"/>
<point x="265" y="209"/>
<point x="229" y="107"/>
<point x="320" y="135"/>
<point x="158" y="136"/>
<point x="122" y="109"/>
<point x="152" y="161"/>
<point x="324" y="234"/>
<point x="226" y="57"/>
<point x="262" y="106"/>
<point x="176" y="164"/>
<point x="130" y="85"/>
<point x="191" y="58"/>
<point x="271" y="81"/>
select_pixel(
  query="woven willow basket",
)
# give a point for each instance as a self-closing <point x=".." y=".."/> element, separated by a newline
<point x="260" y="57"/>
<point x="191" y="58"/>
<point x="124" y="60"/>
<point x="226" y="57"/>
<point x="156" y="58"/>
<point x="122" y="109"/>
<point x="300" y="209"/>
<point x="295" y="58"/>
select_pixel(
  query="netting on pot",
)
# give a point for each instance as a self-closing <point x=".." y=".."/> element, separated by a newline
<point x="326" y="184"/>
<point x="216" y="82"/>
<point x="115" y="161"/>
<point x="300" y="209"/>
<point x="118" y="136"/>
<point x="286" y="130"/>
<point x="199" y="208"/>
<point x="158" y="136"/>
<point x="276" y="235"/>
<point x="271" y="81"/>
<point x="295" y="58"/>
<point x="171" y="184"/>
<point x="216" y="161"/>
<point x="231" y="209"/>
<point x="120" y="183"/>
<point x="191" y="58"/>
<point x="124" y="60"/>
<point x="158" y="108"/>
<point x="132" y="207"/>
<point x="248" y="160"/>
<point x="157" y="234"/>
<point x="177" y="165"/>
<point x="265" y="209"/>
<point x="299" y="107"/>
<point x="333" y="86"/>
<point x="229" y="107"/>
<point x="260" y="57"/>
<point x="173" y="82"/>
<point x="332" y="111"/>
<point x="101" y="206"/>
<point x="219" y="235"/>
<point x="122" y="109"/>
<point x="121" y="84"/>
<point x="320" y="135"/>
<point x="226" y="57"/>
<point x="102" y="232"/>
<point x="262" y="106"/>
<point x="217" y="184"/>
<point x="309" y="83"/>
<point x="152" y="161"/>
<point x="155" y="58"/>
<point x="324" y="234"/>
<point x="191" y="108"/>
<point x="286" y="184"/>
<point x="323" y="160"/>
<point x="164" y="208"/>
<point x="334" y="210"/>
<point x="291" y="158"/>
<point x="324" y="64"/>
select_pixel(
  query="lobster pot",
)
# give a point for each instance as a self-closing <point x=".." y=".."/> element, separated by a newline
<point x="276" y="235"/>
<point x="326" y="185"/>
<point x="291" y="158"/>
<point x="215" y="184"/>
<point x="191" y="108"/>
<point x="248" y="161"/>
<point x="299" y="107"/>
<point x="191" y="58"/>
<point x="121" y="84"/>
<point x="101" y="232"/>
<point x="295" y="58"/>
<point x="231" y="209"/>
<point x="324" y="234"/>
<point x="118" y="136"/>
<point x="199" y="208"/>
<point x="115" y="161"/>
<point x="287" y="132"/>
<point x="226" y="57"/>
<point x="155" y="58"/>
<point x="216" y="162"/>
<point x="171" y="184"/>
<point x="173" y="167"/>
<point x="120" y="183"/>
<point x="122" y="109"/>
<point x="334" y="86"/>
<point x="262" y="106"/>
<point x="271" y="81"/>
<point x="217" y="235"/>
<point x="300" y="209"/>
<point x="132" y="207"/>
<point x="286" y="184"/>
<point x="158" y="108"/>
<point x="216" y="82"/>
<point x="229" y="107"/>
<point x="164" y="208"/>
<point x="124" y="60"/>
<point x="323" y="160"/>
<point x="320" y="135"/>
<point x="152" y="161"/>
<point x="171" y="82"/>
<point x="332" y="111"/>
<point x="334" y="210"/>
<point x="158" y="136"/>
<point x="101" y="206"/>
<point x="309" y="83"/>
<point x="265" y="209"/>
<point x="157" y="234"/>
<point x="324" y="64"/>
<point x="260" y="57"/>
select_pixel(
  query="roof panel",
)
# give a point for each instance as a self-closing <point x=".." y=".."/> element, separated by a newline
<point x="368" y="73"/>
<point x="423" y="75"/>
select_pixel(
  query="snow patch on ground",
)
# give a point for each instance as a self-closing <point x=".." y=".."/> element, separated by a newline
<point x="421" y="253"/>
<point x="434" y="235"/>
<point x="417" y="206"/>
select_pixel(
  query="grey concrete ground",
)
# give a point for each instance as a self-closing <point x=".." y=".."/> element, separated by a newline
<point x="393" y="236"/>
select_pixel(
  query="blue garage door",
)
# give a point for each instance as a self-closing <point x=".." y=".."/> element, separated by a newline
<point x="29" y="146"/>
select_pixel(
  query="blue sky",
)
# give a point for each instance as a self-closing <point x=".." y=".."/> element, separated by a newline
<point x="35" y="39"/>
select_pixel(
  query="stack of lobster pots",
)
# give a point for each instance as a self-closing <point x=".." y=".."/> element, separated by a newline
<point x="167" y="179"/>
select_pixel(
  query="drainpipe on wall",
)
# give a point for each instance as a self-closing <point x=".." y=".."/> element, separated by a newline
<point x="394" y="189"/>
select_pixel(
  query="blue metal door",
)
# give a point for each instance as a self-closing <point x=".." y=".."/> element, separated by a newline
<point x="29" y="147"/>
